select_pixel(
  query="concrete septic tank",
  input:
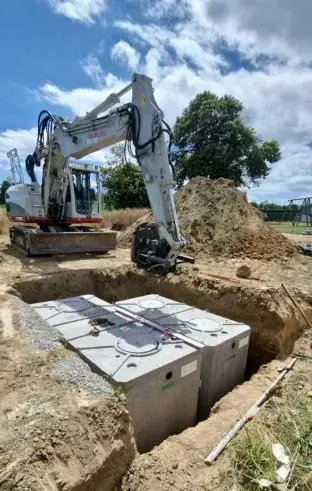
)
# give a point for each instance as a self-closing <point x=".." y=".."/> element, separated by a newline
<point x="58" y="312"/>
<point x="225" y="342"/>
<point x="160" y="374"/>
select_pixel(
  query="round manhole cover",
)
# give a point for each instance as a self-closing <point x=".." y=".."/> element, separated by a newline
<point x="77" y="305"/>
<point x="205" y="325"/>
<point x="138" y="344"/>
<point x="152" y="304"/>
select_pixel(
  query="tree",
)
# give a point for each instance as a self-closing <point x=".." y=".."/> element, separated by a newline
<point x="123" y="182"/>
<point x="254" y="203"/>
<point x="212" y="140"/>
<point x="267" y="205"/>
<point x="4" y="186"/>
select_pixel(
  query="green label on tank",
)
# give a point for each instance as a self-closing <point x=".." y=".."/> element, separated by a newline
<point x="168" y="386"/>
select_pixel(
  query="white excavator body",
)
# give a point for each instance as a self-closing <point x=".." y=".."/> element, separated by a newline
<point x="70" y="196"/>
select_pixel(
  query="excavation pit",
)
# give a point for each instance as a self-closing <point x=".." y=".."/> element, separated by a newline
<point x="274" y="322"/>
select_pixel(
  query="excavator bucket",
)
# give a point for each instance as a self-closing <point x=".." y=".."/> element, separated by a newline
<point x="33" y="242"/>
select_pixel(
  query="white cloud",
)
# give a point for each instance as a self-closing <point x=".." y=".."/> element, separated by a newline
<point x="158" y="9"/>
<point x="149" y="33"/>
<point x="23" y="140"/>
<point x="258" y="27"/>
<point x="81" y="100"/>
<point x="85" y="11"/>
<point x="126" y="54"/>
<point x="278" y="101"/>
<point x="269" y="23"/>
<point x="92" y="67"/>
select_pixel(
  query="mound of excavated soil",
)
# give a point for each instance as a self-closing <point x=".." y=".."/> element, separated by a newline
<point x="217" y="220"/>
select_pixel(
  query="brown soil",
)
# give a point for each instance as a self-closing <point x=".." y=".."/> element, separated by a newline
<point x="53" y="436"/>
<point x="217" y="220"/>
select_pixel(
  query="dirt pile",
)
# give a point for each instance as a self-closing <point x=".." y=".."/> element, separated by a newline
<point x="217" y="220"/>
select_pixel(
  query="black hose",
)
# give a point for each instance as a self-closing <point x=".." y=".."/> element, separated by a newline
<point x="134" y="134"/>
<point x="30" y="163"/>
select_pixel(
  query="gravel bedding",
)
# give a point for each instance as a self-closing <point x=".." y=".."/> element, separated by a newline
<point x="70" y="368"/>
<point x="74" y="371"/>
<point x="37" y="331"/>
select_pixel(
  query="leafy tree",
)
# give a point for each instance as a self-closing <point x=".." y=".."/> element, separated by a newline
<point x="4" y="186"/>
<point x="123" y="183"/>
<point x="212" y="140"/>
<point x="254" y="203"/>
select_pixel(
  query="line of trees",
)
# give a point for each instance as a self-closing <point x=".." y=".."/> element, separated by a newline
<point x="268" y="206"/>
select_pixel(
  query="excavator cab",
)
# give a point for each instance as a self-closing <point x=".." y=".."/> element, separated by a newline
<point x="83" y="197"/>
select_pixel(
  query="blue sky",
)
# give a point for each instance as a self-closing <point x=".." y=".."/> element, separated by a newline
<point x="68" y="55"/>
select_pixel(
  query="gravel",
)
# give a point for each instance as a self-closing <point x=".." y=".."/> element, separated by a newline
<point x="37" y="331"/>
<point x="74" y="371"/>
<point x="70" y="368"/>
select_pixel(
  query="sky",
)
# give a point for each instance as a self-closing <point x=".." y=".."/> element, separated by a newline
<point x="67" y="56"/>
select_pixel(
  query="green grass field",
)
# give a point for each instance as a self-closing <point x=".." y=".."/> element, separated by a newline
<point x="287" y="227"/>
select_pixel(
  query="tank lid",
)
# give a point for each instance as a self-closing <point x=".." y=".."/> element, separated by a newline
<point x="138" y="344"/>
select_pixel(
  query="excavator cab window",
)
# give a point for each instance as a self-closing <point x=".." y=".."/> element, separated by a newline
<point x="85" y="189"/>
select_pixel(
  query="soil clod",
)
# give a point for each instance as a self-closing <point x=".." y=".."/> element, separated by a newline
<point x="243" y="271"/>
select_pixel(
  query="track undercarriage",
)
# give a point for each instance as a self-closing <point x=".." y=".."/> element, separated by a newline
<point x="34" y="241"/>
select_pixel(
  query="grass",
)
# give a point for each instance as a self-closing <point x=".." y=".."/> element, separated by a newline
<point x="4" y="222"/>
<point x="286" y="420"/>
<point x="254" y="458"/>
<point x="128" y="216"/>
<point x="287" y="227"/>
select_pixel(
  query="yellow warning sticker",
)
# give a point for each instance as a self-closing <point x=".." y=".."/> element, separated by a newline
<point x="142" y="99"/>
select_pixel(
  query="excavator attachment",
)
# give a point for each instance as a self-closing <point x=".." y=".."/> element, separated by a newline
<point x="150" y="252"/>
<point x="34" y="242"/>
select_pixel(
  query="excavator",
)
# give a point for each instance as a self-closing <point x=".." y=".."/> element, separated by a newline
<point x="69" y="197"/>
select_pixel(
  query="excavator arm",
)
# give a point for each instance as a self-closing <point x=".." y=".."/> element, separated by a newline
<point x="141" y="125"/>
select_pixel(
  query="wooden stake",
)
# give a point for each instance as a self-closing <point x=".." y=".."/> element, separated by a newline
<point x="219" y="276"/>
<point x="249" y="415"/>
<point x="297" y="306"/>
